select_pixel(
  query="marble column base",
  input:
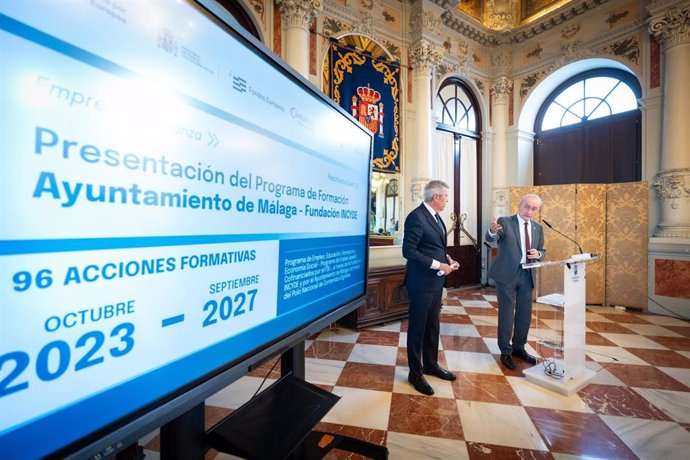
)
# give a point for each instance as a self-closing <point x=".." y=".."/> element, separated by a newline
<point x="669" y="276"/>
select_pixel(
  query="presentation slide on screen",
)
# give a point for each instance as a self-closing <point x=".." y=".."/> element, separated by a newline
<point x="168" y="199"/>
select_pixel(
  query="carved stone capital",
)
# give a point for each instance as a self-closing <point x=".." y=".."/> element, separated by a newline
<point x="500" y="89"/>
<point x="299" y="13"/>
<point x="424" y="56"/>
<point x="671" y="27"/>
<point x="673" y="184"/>
<point x="673" y="191"/>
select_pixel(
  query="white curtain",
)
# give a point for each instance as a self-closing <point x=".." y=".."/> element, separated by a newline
<point x="468" y="188"/>
<point x="442" y="168"/>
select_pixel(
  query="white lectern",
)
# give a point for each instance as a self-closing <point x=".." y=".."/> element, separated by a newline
<point x="571" y="369"/>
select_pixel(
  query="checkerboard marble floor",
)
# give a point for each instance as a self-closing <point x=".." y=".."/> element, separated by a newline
<point x="637" y="406"/>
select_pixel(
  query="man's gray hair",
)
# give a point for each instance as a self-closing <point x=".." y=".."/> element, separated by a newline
<point x="435" y="187"/>
<point x="530" y="195"/>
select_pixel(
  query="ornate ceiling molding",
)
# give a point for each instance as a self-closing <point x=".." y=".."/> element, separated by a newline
<point x="504" y="21"/>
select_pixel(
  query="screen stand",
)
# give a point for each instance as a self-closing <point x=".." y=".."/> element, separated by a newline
<point x="184" y="437"/>
<point x="292" y="361"/>
<point x="277" y="424"/>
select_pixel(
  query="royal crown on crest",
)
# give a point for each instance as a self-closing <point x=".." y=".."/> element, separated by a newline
<point x="369" y="95"/>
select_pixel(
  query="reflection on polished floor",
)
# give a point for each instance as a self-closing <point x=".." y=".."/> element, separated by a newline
<point x="638" y="405"/>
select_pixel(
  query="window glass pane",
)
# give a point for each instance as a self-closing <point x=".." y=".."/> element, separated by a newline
<point x="599" y="86"/>
<point x="570" y="119"/>
<point x="571" y="94"/>
<point x="622" y="99"/>
<point x="604" y="110"/>
<point x="577" y="109"/>
<point x="592" y="104"/>
<point x="465" y="100"/>
<point x="552" y="117"/>
<point x="471" y="121"/>
<point x="462" y="122"/>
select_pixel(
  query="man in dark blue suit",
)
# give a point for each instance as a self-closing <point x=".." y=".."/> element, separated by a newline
<point x="424" y="247"/>
<point x="520" y="240"/>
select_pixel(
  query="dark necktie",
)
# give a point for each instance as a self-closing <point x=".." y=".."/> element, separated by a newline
<point x="440" y="224"/>
<point x="527" y="247"/>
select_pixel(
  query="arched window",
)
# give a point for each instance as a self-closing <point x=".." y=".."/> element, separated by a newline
<point x="455" y="107"/>
<point x="590" y="96"/>
<point x="456" y="159"/>
<point x="588" y="130"/>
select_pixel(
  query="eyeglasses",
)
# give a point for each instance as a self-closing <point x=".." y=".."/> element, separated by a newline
<point x="528" y="207"/>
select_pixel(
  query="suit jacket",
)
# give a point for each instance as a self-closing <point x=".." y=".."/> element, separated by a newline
<point x="507" y="264"/>
<point x="423" y="242"/>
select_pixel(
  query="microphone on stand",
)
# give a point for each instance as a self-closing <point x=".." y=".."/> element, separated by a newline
<point x="563" y="235"/>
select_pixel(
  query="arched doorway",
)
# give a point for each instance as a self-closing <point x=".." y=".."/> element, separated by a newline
<point x="457" y="160"/>
<point x="588" y="130"/>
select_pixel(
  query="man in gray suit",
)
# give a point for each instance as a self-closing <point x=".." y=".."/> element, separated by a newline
<point x="424" y="247"/>
<point x="520" y="240"/>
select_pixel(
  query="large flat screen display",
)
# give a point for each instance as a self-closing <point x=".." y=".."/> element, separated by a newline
<point x="172" y="199"/>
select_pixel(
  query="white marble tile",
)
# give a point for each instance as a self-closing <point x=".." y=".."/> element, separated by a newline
<point x="476" y="303"/>
<point x="603" y="377"/>
<point x="684" y="353"/>
<point x="374" y="354"/>
<point x="308" y="343"/>
<point x="533" y="395"/>
<point x="388" y="327"/>
<point x="339" y="335"/>
<point x="463" y="330"/>
<point x="362" y="408"/>
<point x="442" y="388"/>
<point x="479" y="320"/>
<point x="651" y="330"/>
<point x="468" y="361"/>
<point x="545" y="334"/>
<point x="604" y="354"/>
<point x="412" y="446"/>
<point x="596" y="318"/>
<point x="499" y="424"/>
<point x="402" y="340"/>
<point x="682" y="375"/>
<point x="492" y="344"/>
<point x="452" y="309"/>
<point x="555" y="324"/>
<point x="651" y="439"/>
<point x="323" y="371"/>
<point x="632" y="341"/>
<point x="491" y="297"/>
<point x="675" y="404"/>
<point x="238" y="393"/>
<point x="664" y="320"/>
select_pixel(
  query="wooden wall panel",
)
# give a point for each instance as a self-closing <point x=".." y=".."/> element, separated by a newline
<point x="626" y="244"/>
<point x="591" y="234"/>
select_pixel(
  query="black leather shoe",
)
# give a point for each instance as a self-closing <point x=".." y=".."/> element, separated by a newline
<point x="440" y="373"/>
<point x="523" y="355"/>
<point x="507" y="361"/>
<point x="420" y="384"/>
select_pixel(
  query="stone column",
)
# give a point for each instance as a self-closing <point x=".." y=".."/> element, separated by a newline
<point x="671" y="27"/>
<point x="500" y="90"/>
<point x="297" y="15"/>
<point x="424" y="58"/>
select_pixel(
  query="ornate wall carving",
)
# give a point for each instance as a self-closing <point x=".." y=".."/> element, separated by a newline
<point x="299" y="13"/>
<point x="672" y="27"/>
